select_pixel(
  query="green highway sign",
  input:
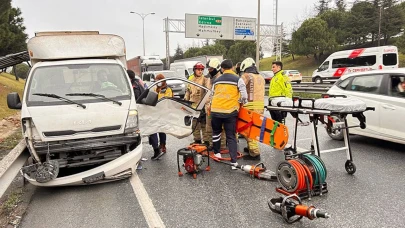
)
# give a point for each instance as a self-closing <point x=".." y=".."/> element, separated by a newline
<point x="209" y="20"/>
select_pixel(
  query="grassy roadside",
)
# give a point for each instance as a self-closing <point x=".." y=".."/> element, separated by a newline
<point x="8" y="84"/>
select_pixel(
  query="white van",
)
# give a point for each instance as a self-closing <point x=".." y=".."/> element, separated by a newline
<point x="184" y="69"/>
<point x="78" y="110"/>
<point x="357" y="60"/>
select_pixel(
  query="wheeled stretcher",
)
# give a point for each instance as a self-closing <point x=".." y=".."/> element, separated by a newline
<point x="321" y="111"/>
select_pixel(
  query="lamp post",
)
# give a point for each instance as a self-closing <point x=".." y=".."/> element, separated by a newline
<point x="142" y="15"/>
<point x="258" y="36"/>
<point x="379" y="23"/>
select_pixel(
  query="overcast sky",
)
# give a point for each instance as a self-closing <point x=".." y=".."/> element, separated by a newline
<point x="112" y="16"/>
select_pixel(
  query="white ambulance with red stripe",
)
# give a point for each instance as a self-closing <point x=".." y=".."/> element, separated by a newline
<point x="357" y="60"/>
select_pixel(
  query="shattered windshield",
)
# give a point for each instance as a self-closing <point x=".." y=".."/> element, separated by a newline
<point x="108" y="80"/>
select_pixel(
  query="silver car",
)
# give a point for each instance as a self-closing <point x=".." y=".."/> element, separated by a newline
<point x="177" y="86"/>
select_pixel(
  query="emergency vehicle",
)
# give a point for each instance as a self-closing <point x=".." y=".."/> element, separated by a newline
<point x="358" y="60"/>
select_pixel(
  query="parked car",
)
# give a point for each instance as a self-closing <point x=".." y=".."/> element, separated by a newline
<point x="383" y="90"/>
<point x="267" y="75"/>
<point x="294" y="75"/>
<point x="178" y="87"/>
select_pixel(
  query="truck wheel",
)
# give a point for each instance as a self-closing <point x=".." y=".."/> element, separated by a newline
<point x="336" y="134"/>
<point x="318" y="80"/>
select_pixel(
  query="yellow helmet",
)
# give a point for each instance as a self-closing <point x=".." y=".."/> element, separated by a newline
<point x="214" y="63"/>
<point x="248" y="62"/>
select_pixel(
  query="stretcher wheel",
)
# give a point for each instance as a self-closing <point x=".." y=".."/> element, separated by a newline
<point x="350" y="167"/>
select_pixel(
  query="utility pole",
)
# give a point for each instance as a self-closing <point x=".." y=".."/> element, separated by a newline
<point x="143" y="27"/>
<point x="379" y="26"/>
<point x="258" y="36"/>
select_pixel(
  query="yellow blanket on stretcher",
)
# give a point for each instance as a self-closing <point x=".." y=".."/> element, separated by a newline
<point x="261" y="128"/>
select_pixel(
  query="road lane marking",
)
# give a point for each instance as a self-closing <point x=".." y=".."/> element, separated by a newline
<point x="151" y="215"/>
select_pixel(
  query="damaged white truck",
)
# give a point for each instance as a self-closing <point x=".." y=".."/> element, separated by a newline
<point x="79" y="116"/>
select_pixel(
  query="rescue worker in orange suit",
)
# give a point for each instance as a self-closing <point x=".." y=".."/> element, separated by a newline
<point x="255" y="90"/>
<point x="195" y="94"/>
<point x="214" y="72"/>
<point x="229" y="92"/>
<point x="160" y="149"/>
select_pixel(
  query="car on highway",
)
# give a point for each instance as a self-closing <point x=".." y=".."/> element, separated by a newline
<point x="385" y="91"/>
<point x="294" y="75"/>
<point x="178" y="87"/>
<point x="267" y="75"/>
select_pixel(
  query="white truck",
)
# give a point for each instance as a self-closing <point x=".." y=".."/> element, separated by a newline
<point x="78" y="110"/>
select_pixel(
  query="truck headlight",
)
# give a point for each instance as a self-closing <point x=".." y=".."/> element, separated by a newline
<point x="132" y="122"/>
<point x="182" y="85"/>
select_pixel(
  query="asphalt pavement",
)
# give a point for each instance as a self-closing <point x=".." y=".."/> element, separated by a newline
<point x="372" y="197"/>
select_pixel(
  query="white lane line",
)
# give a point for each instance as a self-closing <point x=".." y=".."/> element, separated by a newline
<point x="151" y="215"/>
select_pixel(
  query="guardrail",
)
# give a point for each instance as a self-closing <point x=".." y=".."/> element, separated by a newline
<point x="11" y="165"/>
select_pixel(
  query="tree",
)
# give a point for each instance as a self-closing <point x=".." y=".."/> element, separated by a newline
<point x="337" y="23"/>
<point x="340" y="5"/>
<point x="21" y="70"/>
<point x="216" y="49"/>
<point x="361" y="23"/>
<point x="322" y="6"/>
<point x="313" y="37"/>
<point x="392" y="19"/>
<point x="179" y="54"/>
<point x="241" y="50"/>
<point x="12" y="31"/>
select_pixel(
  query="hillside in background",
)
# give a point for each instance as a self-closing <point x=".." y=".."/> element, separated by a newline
<point x="8" y="84"/>
<point x="303" y="64"/>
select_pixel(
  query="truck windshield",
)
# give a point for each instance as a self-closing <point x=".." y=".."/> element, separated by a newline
<point x="108" y="80"/>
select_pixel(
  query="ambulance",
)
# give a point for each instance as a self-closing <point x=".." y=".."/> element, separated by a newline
<point x="358" y="60"/>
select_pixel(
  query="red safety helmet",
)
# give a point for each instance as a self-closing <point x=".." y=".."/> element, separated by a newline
<point x="198" y="66"/>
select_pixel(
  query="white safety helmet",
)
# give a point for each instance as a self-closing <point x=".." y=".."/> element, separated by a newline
<point x="214" y="63"/>
<point x="248" y="62"/>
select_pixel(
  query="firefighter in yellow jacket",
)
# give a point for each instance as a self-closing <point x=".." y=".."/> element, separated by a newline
<point x="255" y="90"/>
<point x="229" y="92"/>
<point x="214" y="69"/>
<point x="195" y="94"/>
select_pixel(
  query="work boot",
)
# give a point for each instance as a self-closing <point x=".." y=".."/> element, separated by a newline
<point x="251" y="158"/>
<point x="197" y="142"/>
<point x="157" y="154"/>
<point x="163" y="147"/>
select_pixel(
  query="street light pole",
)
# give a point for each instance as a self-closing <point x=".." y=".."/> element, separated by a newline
<point x="142" y="15"/>
<point x="258" y="36"/>
<point x="379" y="27"/>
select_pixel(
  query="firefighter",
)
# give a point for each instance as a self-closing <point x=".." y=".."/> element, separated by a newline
<point x="214" y="72"/>
<point x="279" y="86"/>
<point x="255" y="90"/>
<point x="229" y="92"/>
<point x="160" y="149"/>
<point x="195" y="94"/>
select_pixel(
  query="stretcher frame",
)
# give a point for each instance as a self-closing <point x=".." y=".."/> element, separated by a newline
<point x="316" y="116"/>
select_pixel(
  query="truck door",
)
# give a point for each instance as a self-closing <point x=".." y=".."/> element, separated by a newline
<point x="170" y="115"/>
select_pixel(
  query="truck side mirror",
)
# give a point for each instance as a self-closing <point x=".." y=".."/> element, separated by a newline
<point x="13" y="101"/>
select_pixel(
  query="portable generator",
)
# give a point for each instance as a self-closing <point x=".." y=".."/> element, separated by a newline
<point x="193" y="159"/>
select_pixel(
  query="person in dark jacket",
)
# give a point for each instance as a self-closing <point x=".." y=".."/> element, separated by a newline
<point x="137" y="84"/>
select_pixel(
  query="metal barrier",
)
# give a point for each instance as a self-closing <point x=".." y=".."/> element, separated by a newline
<point x="11" y="165"/>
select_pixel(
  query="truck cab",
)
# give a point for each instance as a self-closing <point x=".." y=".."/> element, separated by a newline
<point x="79" y="111"/>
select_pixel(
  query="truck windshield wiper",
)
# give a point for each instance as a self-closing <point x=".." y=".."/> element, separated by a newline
<point x="94" y="95"/>
<point x="60" y="98"/>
